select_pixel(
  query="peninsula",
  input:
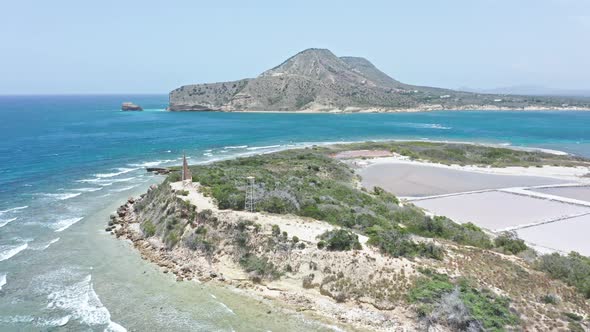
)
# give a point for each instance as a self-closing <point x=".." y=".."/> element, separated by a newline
<point x="317" y="232"/>
<point x="316" y="80"/>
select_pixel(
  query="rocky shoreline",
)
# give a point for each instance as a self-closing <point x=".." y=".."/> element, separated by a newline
<point x="317" y="301"/>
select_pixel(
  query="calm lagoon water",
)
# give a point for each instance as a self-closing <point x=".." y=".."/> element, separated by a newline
<point x="67" y="162"/>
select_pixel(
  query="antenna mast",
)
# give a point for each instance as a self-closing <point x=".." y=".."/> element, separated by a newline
<point x="250" y="194"/>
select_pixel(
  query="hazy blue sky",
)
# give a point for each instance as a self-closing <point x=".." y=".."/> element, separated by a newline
<point x="154" y="46"/>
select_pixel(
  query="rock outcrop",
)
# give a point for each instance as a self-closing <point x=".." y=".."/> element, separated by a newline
<point x="129" y="106"/>
<point x="318" y="80"/>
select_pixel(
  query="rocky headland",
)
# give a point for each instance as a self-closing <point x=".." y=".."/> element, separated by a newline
<point x="321" y="245"/>
<point x="316" y="80"/>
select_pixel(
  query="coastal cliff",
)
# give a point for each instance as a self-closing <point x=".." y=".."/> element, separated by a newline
<point x="319" y="244"/>
<point x="316" y="80"/>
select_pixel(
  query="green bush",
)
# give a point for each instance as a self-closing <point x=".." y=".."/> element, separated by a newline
<point x="573" y="269"/>
<point x="182" y="192"/>
<point x="573" y="316"/>
<point x="481" y="307"/>
<point x="550" y="299"/>
<point x="276" y="230"/>
<point x="148" y="228"/>
<point x="430" y="289"/>
<point x="397" y="243"/>
<point x="509" y="243"/>
<point x="341" y="240"/>
<point x="259" y="267"/>
<point x="443" y="227"/>
<point x="174" y="177"/>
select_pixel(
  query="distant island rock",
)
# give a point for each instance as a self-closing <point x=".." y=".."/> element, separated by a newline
<point x="129" y="106"/>
<point x="316" y="80"/>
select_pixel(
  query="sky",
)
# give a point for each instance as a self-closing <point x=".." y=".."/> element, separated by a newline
<point x="78" y="47"/>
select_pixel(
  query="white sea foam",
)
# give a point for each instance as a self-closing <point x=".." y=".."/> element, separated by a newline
<point x="236" y="147"/>
<point x="119" y="172"/>
<point x="227" y="308"/>
<point x="63" y="224"/>
<point x="118" y="190"/>
<point x="4" y="222"/>
<point x="208" y="154"/>
<point x="16" y="319"/>
<point x="152" y="163"/>
<point x="9" y="251"/>
<point x="83" y="304"/>
<point x="263" y="147"/>
<point x="61" y="197"/>
<point x="437" y="126"/>
<point x="56" y="322"/>
<point x="2" y="280"/>
<point x="44" y="246"/>
<point x="421" y="125"/>
<point x="105" y="182"/>
<point x="13" y="209"/>
<point x="88" y="190"/>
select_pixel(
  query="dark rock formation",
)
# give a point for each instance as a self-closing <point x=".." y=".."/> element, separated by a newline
<point x="129" y="106"/>
<point x="158" y="170"/>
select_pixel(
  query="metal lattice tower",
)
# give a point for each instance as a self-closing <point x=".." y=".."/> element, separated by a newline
<point x="250" y="194"/>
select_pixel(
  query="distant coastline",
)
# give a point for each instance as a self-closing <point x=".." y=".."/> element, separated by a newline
<point x="427" y="108"/>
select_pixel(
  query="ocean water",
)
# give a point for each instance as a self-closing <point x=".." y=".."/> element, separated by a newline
<point x="67" y="162"/>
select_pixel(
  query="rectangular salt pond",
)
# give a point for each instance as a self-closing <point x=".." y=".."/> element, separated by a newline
<point x="499" y="210"/>
<point x="423" y="180"/>
<point x="565" y="235"/>
<point x="581" y="193"/>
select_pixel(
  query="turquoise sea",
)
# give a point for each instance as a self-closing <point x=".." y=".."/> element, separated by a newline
<point x="67" y="162"/>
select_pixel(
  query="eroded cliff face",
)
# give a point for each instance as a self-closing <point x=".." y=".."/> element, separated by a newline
<point x="206" y="97"/>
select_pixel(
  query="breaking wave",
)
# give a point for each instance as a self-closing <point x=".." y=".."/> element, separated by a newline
<point x="64" y="224"/>
<point x="9" y="251"/>
<point x="61" y="197"/>
<point x="152" y="163"/>
<point x="4" y="222"/>
<point x="118" y="190"/>
<point x="44" y="246"/>
<point x="120" y="172"/>
<point x="264" y="147"/>
<point x="2" y="280"/>
<point x="236" y="147"/>
<point x="83" y="304"/>
<point x="88" y="190"/>
<point x="13" y="209"/>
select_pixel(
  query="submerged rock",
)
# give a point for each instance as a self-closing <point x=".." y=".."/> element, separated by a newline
<point x="129" y="106"/>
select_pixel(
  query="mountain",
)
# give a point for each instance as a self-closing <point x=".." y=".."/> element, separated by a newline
<point x="318" y="80"/>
